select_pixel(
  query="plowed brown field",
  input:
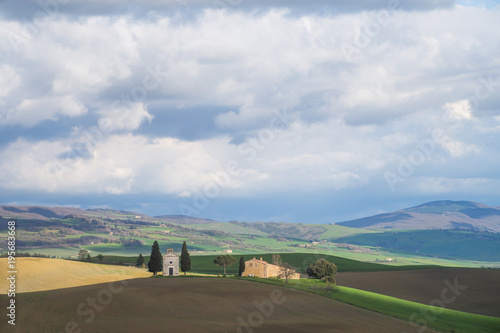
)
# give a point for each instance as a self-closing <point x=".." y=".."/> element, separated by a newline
<point x="192" y="305"/>
<point x="481" y="296"/>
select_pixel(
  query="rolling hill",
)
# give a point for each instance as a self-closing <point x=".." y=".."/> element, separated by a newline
<point x="466" y="231"/>
<point x="193" y="305"/>
<point x="39" y="274"/>
<point x="435" y="215"/>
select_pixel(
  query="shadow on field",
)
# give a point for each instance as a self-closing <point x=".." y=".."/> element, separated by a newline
<point x="192" y="305"/>
<point x="469" y="290"/>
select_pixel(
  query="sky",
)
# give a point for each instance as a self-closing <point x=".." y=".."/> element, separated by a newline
<point x="312" y="112"/>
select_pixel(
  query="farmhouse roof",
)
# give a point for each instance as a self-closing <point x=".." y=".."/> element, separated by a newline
<point x="260" y="261"/>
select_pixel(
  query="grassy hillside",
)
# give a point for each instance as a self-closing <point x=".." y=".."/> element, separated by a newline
<point x="470" y="245"/>
<point x="334" y="232"/>
<point x="228" y="228"/>
<point x="479" y="293"/>
<point x="204" y="264"/>
<point x="113" y="232"/>
<point x="37" y="274"/>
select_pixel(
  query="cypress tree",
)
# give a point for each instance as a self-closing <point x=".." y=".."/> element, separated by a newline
<point x="140" y="260"/>
<point x="242" y="266"/>
<point x="156" y="260"/>
<point x="185" y="259"/>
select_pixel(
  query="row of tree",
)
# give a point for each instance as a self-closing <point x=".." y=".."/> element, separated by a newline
<point x="321" y="269"/>
<point x="84" y="255"/>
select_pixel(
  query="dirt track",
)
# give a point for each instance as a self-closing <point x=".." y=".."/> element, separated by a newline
<point x="482" y="295"/>
<point x="195" y="305"/>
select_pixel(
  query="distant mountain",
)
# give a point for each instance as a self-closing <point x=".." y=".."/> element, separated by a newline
<point x="44" y="213"/>
<point x="471" y="231"/>
<point x="184" y="219"/>
<point x="435" y="215"/>
<point x="35" y="212"/>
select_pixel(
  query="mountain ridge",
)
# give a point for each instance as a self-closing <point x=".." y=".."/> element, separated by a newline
<point x="443" y="214"/>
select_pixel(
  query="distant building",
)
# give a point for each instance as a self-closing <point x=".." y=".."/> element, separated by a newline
<point x="227" y="251"/>
<point x="137" y="216"/>
<point x="263" y="269"/>
<point x="170" y="263"/>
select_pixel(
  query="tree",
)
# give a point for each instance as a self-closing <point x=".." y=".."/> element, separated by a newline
<point x="140" y="260"/>
<point x="100" y="257"/>
<point x="286" y="270"/>
<point x="322" y="269"/>
<point x="82" y="254"/>
<point x="89" y="258"/>
<point x="242" y="266"/>
<point x="330" y="279"/>
<point x="185" y="259"/>
<point x="155" y="260"/>
<point x="277" y="260"/>
<point x="225" y="261"/>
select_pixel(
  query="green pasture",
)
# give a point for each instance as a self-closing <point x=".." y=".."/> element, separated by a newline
<point x="204" y="264"/>
<point x="466" y="245"/>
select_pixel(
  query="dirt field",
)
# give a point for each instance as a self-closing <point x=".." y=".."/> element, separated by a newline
<point x="482" y="295"/>
<point x="37" y="274"/>
<point x="192" y="305"/>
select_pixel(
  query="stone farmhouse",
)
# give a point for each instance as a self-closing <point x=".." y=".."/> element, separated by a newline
<point x="263" y="269"/>
<point x="170" y="263"/>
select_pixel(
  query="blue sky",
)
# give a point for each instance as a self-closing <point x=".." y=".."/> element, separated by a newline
<point x="317" y="111"/>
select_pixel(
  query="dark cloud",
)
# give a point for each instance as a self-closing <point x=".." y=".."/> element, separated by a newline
<point x="26" y="10"/>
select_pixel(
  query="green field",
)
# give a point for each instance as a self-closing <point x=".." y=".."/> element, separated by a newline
<point x="111" y="233"/>
<point x="445" y="243"/>
<point x="204" y="264"/>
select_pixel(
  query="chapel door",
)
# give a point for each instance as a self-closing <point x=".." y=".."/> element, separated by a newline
<point x="170" y="271"/>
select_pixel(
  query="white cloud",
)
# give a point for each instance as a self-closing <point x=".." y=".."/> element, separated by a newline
<point x="30" y="112"/>
<point x="120" y="164"/>
<point x="9" y="80"/>
<point x="460" y="110"/>
<point x="124" y="117"/>
<point x="459" y="149"/>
